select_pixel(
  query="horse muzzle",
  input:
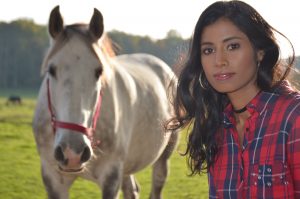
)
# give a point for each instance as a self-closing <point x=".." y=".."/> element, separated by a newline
<point x="71" y="161"/>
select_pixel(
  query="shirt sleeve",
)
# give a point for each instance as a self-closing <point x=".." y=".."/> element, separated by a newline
<point x="212" y="187"/>
<point x="293" y="153"/>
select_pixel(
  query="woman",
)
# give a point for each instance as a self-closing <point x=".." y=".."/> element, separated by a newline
<point x="245" y="117"/>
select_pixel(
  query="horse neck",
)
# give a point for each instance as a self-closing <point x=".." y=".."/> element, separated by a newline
<point x="115" y="98"/>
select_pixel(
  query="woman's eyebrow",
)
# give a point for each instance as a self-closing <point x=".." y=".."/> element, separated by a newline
<point x="224" y="40"/>
<point x="231" y="38"/>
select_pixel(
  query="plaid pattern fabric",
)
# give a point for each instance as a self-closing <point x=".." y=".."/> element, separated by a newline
<point x="267" y="164"/>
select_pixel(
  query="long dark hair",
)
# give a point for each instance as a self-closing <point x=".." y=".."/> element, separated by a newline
<point x="200" y="105"/>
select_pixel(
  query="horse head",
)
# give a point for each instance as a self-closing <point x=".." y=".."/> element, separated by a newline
<point x="74" y="69"/>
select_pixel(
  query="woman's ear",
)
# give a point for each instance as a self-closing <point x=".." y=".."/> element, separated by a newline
<point x="260" y="55"/>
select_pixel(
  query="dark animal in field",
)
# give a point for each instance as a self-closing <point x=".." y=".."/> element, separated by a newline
<point x="14" y="99"/>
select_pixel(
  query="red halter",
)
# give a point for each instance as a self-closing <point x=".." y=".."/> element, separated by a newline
<point x="89" y="132"/>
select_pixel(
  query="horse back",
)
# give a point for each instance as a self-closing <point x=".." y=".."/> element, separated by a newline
<point x="150" y="78"/>
<point x="141" y="65"/>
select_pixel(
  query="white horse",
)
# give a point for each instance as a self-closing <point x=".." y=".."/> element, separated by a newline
<point x="100" y="117"/>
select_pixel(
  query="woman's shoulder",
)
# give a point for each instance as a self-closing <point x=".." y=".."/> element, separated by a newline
<point x="281" y="99"/>
<point x="286" y="91"/>
<point x="288" y="98"/>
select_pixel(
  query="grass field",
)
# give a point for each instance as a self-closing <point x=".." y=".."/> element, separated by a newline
<point x="20" y="166"/>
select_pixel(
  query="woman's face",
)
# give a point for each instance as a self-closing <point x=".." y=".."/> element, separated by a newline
<point x="229" y="61"/>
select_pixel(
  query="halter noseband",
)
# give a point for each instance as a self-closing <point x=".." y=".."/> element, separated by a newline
<point x="89" y="132"/>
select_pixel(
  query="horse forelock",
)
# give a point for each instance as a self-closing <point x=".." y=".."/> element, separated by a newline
<point x="104" y="45"/>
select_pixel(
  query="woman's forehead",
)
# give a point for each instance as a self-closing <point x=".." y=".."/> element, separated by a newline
<point x="221" y="30"/>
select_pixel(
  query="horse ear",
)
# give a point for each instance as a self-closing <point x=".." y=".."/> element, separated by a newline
<point x="96" y="26"/>
<point x="56" y="23"/>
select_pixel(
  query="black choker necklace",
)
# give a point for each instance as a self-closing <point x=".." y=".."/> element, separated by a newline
<point x="240" y="110"/>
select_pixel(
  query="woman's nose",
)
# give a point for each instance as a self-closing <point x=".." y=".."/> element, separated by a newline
<point x="221" y="59"/>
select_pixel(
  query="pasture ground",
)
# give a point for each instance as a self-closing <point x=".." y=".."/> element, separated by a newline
<point x="20" y="166"/>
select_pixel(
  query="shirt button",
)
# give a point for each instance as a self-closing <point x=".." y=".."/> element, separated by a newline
<point x="259" y="177"/>
<point x="255" y="183"/>
<point x="269" y="170"/>
<point x="269" y="184"/>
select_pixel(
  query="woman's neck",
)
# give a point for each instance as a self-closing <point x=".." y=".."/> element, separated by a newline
<point x="239" y="100"/>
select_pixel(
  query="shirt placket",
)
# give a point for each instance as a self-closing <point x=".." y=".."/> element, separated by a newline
<point x="247" y="167"/>
<point x="241" y="150"/>
<point x="242" y="153"/>
<point x="244" y="171"/>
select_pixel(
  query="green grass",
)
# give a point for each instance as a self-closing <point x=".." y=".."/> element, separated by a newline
<point x="20" y="166"/>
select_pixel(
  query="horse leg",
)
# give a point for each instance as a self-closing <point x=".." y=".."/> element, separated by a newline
<point x="160" y="168"/>
<point x="57" y="186"/>
<point x="130" y="187"/>
<point x="112" y="183"/>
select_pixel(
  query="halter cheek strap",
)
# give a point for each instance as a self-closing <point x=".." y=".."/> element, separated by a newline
<point x="89" y="132"/>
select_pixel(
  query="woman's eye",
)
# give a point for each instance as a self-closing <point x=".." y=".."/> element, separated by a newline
<point x="52" y="70"/>
<point x="233" y="46"/>
<point x="207" y="51"/>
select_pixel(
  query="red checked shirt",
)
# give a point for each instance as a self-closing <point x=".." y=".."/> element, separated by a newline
<point x="267" y="165"/>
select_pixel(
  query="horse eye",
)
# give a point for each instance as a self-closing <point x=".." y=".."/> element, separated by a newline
<point x="52" y="70"/>
<point x="98" y="72"/>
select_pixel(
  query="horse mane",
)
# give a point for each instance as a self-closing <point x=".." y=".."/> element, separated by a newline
<point x="105" y="44"/>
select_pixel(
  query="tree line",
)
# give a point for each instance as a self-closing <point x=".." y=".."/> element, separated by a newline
<point x="23" y="45"/>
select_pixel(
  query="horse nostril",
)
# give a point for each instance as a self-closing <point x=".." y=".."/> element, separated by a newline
<point x="58" y="154"/>
<point x="86" y="154"/>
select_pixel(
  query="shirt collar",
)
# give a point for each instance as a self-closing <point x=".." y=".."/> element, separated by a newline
<point x="259" y="103"/>
<point x="252" y="106"/>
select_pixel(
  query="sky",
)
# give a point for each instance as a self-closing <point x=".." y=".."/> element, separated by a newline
<point x="149" y="17"/>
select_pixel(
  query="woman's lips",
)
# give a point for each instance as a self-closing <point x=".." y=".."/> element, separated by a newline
<point x="223" y="76"/>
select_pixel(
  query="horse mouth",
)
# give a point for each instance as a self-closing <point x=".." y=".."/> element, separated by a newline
<point x="70" y="171"/>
